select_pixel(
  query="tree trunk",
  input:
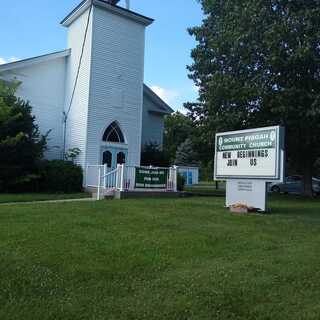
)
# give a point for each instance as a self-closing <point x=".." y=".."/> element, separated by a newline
<point x="307" y="179"/>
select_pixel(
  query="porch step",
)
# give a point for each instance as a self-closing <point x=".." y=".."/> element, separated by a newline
<point x="107" y="194"/>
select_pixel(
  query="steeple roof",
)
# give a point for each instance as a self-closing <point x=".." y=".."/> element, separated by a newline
<point x="109" y="5"/>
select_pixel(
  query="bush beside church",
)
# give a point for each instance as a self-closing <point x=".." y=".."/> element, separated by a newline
<point x="22" y="166"/>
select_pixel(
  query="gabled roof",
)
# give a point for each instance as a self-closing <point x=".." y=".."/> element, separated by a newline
<point x="162" y="106"/>
<point x="30" y="61"/>
<point x="84" y="5"/>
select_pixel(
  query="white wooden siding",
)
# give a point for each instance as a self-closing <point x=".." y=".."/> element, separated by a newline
<point x="77" y="120"/>
<point x="44" y="86"/>
<point x="117" y="70"/>
<point x="152" y="123"/>
<point x="109" y="87"/>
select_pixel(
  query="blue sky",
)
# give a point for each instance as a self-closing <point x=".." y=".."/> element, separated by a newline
<point x="31" y="27"/>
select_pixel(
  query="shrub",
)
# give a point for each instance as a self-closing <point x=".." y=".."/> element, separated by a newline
<point x="61" y="176"/>
<point x="21" y="144"/>
<point x="181" y="181"/>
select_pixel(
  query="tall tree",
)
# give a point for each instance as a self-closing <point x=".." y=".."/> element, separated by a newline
<point x="21" y="144"/>
<point x="178" y="128"/>
<point x="153" y="155"/>
<point x="186" y="155"/>
<point x="257" y="63"/>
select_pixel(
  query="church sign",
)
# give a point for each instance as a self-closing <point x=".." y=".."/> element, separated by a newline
<point x="254" y="153"/>
<point x="247" y="160"/>
<point x="147" y="178"/>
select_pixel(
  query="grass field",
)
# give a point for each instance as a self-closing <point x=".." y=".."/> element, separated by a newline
<point x="159" y="259"/>
<point x="206" y="188"/>
<point x="31" y="197"/>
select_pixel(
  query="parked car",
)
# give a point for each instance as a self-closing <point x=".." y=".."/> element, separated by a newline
<point x="316" y="185"/>
<point x="294" y="184"/>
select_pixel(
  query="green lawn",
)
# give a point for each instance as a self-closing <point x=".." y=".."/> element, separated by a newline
<point x="31" y="197"/>
<point x="204" y="190"/>
<point x="207" y="188"/>
<point x="159" y="259"/>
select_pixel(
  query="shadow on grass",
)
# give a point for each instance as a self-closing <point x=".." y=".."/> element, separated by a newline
<point x="295" y="205"/>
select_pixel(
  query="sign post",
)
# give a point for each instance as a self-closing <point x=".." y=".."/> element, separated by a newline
<point x="247" y="160"/>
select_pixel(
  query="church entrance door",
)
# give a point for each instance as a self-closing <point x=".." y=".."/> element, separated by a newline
<point x="112" y="156"/>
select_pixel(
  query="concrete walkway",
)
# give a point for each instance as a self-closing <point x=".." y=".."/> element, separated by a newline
<point x="47" y="201"/>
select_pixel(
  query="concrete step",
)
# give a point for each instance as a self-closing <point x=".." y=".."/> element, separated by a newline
<point x="107" y="194"/>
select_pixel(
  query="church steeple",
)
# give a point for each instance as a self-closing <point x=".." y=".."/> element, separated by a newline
<point x="104" y="77"/>
<point x="109" y="5"/>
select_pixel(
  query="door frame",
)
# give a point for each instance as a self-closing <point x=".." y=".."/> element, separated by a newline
<point x="112" y="147"/>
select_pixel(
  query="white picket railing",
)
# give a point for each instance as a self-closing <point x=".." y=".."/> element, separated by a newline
<point x="123" y="178"/>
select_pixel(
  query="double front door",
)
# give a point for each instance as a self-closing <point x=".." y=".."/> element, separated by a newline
<point x="112" y="156"/>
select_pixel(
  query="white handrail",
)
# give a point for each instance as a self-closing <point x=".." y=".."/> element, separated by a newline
<point x="109" y="180"/>
<point x="110" y="173"/>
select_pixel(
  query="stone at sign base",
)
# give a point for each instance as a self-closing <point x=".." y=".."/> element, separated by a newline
<point x="250" y="193"/>
<point x="242" y="209"/>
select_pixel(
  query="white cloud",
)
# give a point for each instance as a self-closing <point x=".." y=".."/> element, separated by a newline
<point x="12" y="59"/>
<point x="182" y="110"/>
<point x="195" y="88"/>
<point x="167" y="95"/>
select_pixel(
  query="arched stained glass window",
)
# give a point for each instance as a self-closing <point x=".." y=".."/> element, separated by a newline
<point x="113" y="134"/>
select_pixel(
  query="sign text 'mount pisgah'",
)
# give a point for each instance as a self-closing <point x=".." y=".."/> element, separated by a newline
<point x="253" y="153"/>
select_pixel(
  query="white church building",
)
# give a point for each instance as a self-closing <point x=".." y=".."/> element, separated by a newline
<point x="92" y="96"/>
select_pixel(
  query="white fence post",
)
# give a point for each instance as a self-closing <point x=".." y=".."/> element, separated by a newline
<point x="99" y="183"/>
<point x="104" y="175"/>
<point x="121" y="177"/>
<point x="175" y="178"/>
